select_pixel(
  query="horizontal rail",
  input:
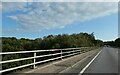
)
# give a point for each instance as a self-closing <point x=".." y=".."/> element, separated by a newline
<point x="47" y="60"/>
<point x="25" y="52"/>
<point x="67" y="52"/>
<point x="37" y="51"/>
<point x="28" y="65"/>
<point x="70" y="55"/>
<point x="70" y="51"/>
<point x="16" y="68"/>
<point x="27" y="58"/>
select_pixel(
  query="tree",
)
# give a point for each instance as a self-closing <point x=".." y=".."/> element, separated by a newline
<point x="117" y="42"/>
<point x="48" y="42"/>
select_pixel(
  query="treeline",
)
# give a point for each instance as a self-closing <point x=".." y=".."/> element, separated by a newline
<point x="50" y="42"/>
<point x="115" y="43"/>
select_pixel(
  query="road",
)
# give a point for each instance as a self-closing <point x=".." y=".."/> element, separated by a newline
<point x="105" y="62"/>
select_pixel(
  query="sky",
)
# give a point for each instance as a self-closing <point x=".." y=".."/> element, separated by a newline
<point x="37" y="19"/>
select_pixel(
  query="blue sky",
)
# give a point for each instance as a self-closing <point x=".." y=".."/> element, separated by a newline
<point x="34" y="20"/>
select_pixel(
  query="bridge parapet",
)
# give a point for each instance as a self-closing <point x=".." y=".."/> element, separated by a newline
<point x="51" y="55"/>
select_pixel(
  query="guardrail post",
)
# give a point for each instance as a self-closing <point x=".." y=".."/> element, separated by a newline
<point x="61" y="54"/>
<point x="80" y="50"/>
<point x="73" y="52"/>
<point x="34" y="60"/>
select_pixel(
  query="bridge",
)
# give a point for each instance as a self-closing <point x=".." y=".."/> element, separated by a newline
<point x="81" y="60"/>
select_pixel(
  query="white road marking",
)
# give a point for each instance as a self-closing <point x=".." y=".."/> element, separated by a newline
<point x="76" y="63"/>
<point x="82" y="71"/>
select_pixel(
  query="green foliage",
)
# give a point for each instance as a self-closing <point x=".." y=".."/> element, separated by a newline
<point x="115" y="43"/>
<point x="48" y="42"/>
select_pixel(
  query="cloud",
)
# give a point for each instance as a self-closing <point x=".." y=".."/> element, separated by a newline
<point x="60" y="0"/>
<point x="17" y="0"/>
<point x="38" y="16"/>
<point x="8" y="7"/>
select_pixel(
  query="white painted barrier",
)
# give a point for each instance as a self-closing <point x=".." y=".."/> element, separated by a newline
<point x="71" y="51"/>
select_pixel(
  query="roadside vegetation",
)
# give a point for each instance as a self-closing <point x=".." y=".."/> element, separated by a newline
<point x="115" y="43"/>
<point x="48" y="42"/>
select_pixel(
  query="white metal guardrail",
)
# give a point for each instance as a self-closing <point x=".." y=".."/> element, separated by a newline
<point x="67" y="51"/>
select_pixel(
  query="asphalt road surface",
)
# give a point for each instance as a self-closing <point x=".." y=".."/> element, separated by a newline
<point x="106" y="62"/>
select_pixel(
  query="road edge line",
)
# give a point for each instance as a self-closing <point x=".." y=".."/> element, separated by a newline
<point x="82" y="71"/>
<point x="56" y="62"/>
<point x="76" y="63"/>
